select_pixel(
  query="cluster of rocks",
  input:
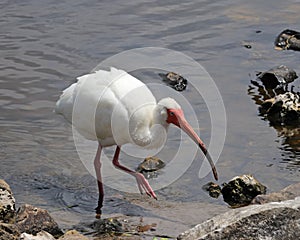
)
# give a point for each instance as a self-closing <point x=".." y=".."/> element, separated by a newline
<point x="273" y="216"/>
<point x="29" y="222"/>
<point x="280" y="106"/>
<point x="238" y="192"/>
<point x="34" y="223"/>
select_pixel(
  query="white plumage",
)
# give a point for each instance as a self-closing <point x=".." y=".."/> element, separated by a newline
<point x="115" y="108"/>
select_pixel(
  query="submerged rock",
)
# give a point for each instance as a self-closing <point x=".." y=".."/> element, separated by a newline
<point x="7" y="203"/>
<point x="176" y="81"/>
<point x="149" y="166"/>
<point x="288" y="39"/>
<point x="282" y="109"/>
<point x="277" y="77"/>
<point x="32" y="220"/>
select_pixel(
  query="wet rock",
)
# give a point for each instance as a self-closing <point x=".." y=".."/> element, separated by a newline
<point x="282" y="109"/>
<point x="7" y="203"/>
<point x="213" y="189"/>
<point x="176" y="81"/>
<point x="269" y="221"/>
<point x="32" y="220"/>
<point x="109" y="226"/>
<point x="42" y="235"/>
<point x="238" y="192"/>
<point x="73" y="235"/>
<point x="241" y="190"/>
<point x="277" y="77"/>
<point x="149" y="167"/>
<point x="9" y="232"/>
<point x="288" y="39"/>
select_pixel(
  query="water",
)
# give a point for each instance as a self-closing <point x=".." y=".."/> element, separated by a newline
<point x="45" y="45"/>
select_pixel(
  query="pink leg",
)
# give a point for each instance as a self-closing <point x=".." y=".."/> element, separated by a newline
<point x="140" y="179"/>
<point x="97" y="165"/>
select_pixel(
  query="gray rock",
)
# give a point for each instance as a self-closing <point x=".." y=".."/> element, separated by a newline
<point x="274" y="220"/>
<point x="32" y="220"/>
<point x="288" y="193"/>
<point x="7" y="204"/>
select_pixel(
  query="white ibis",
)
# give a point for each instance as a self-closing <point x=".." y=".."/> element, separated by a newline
<point x="115" y="108"/>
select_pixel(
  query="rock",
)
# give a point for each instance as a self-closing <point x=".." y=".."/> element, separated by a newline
<point x="213" y="189"/>
<point x="273" y="220"/>
<point x="9" y="232"/>
<point x="7" y="203"/>
<point x="109" y="225"/>
<point x="287" y="193"/>
<point x="288" y="39"/>
<point x="149" y="166"/>
<point x="241" y="190"/>
<point x="174" y="80"/>
<point x="42" y="235"/>
<point x="277" y="77"/>
<point x="282" y="109"/>
<point x="73" y="235"/>
<point x="32" y="220"/>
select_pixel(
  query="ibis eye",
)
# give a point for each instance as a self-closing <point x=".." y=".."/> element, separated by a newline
<point x="171" y="114"/>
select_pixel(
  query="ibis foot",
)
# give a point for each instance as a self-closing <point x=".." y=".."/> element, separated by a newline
<point x="98" y="211"/>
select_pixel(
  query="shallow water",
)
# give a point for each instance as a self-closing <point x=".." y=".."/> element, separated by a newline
<point x="45" y="45"/>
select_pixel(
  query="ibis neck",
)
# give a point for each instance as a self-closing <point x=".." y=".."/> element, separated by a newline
<point x="152" y="132"/>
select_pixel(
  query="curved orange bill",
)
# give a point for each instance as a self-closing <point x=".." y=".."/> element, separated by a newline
<point x="186" y="127"/>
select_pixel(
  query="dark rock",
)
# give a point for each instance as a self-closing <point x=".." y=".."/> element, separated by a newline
<point x="282" y="109"/>
<point x="273" y="220"/>
<point x="32" y="220"/>
<point x="176" y="81"/>
<point x="288" y="39"/>
<point x="213" y="189"/>
<point x="277" y="77"/>
<point x="7" y="203"/>
<point x="241" y="190"/>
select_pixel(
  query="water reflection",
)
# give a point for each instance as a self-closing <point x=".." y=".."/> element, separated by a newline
<point x="289" y="135"/>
